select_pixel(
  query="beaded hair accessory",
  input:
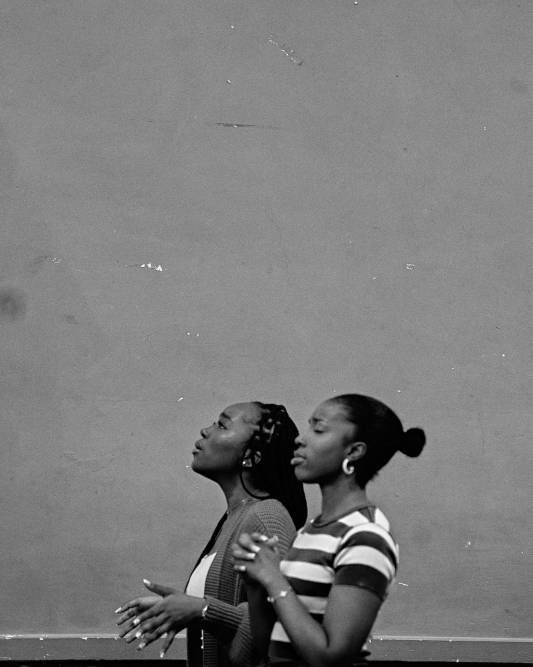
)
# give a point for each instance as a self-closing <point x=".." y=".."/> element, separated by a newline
<point x="273" y="421"/>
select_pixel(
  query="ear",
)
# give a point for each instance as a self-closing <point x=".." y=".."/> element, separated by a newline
<point x="356" y="450"/>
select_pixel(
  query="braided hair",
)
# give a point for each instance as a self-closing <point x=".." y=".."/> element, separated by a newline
<point x="382" y="431"/>
<point x="268" y="459"/>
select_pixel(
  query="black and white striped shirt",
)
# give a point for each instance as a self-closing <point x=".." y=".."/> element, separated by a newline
<point x="355" y="549"/>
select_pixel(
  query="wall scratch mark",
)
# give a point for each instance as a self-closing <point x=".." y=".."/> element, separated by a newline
<point x="291" y="55"/>
<point x="147" y="265"/>
<point x="238" y="125"/>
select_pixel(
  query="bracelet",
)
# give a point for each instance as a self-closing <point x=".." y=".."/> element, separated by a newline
<point x="203" y="613"/>
<point x="282" y="594"/>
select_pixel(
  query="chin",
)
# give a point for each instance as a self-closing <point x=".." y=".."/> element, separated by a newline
<point x="303" y="475"/>
<point x="203" y="471"/>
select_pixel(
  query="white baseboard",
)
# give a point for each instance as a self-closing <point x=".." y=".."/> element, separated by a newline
<point x="406" y="648"/>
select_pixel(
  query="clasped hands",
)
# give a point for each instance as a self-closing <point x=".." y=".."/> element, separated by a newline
<point x="161" y="616"/>
<point x="256" y="557"/>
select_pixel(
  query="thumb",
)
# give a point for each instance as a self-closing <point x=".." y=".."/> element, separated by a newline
<point x="158" y="588"/>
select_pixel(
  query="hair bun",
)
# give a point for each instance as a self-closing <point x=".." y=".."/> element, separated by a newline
<point x="413" y="442"/>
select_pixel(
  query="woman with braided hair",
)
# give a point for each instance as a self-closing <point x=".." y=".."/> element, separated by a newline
<point x="316" y="606"/>
<point x="248" y="453"/>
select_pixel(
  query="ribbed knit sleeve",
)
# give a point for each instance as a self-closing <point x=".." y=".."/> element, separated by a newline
<point x="229" y="622"/>
<point x="222" y="618"/>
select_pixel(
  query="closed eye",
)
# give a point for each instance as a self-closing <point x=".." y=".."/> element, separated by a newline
<point x="317" y="426"/>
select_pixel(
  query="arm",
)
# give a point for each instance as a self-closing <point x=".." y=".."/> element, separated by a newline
<point x="349" y="615"/>
<point x="262" y="614"/>
<point x="244" y="648"/>
<point x="229" y="623"/>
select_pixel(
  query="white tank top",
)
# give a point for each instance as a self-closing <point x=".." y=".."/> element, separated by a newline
<point x="196" y="585"/>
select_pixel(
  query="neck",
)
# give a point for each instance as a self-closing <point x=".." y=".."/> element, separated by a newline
<point x="234" y="492"/>
<point x="339" y="496"/>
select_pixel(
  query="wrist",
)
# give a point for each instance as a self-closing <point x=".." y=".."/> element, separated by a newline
<point x="280" y="595"/>
<point x="274" y="586"/>
<point x="201" y="609"/>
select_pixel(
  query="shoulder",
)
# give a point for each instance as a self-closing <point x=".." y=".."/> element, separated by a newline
<point x="268" y="516"/>
<point x="370" y="519"/>
<point x="269" y="507"/>
<point x="267" y="511"/>
<point x="367" y="538"/>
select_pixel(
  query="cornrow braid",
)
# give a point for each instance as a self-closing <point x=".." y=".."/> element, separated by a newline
<point x="272" y="472"/>
<point x="272" y="421"/>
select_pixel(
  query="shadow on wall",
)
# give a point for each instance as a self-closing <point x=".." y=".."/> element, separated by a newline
<point x="12" y="304"/>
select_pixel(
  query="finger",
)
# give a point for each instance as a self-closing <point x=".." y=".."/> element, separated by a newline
<point x="129" y="636"/>
<point x="127" y="605"/>
<point x="130" y="627"/>
<point x="256" y="541"/>
<point x="159" y="589"/>
<point x="126" y="629"/>
<point x="272" y="541"/>
<point x="146" y="628"/>
<point x="149" y="637"/>
<point x="125" y="617"/>
<point x="167" y="641"/>
<point x="240" y="554"/>
<point x="239" y="568"/>
<point x="154" y="610"/>
<point x="246" y="542"/>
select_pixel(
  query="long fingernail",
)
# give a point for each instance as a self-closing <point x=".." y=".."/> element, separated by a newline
<point x="255" y="548"/>
<point x="147" y="582"/>
<point x="263" y="538"/>
<point x="117" y="611"/>
<point x="164" y="635"/>
<point x="162" y="654"/>
<point x="141" y="646"/>
<point x="135" y="621"/>
<point x="138" y="635"/>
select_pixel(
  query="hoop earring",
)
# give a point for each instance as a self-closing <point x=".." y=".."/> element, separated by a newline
<point x="348" y="467"/>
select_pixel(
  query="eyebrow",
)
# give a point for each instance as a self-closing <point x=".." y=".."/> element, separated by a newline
<point x="223" y="415"/>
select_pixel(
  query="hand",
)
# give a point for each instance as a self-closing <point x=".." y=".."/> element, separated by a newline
<point x="132" y="609"/>
<point x="256" y="557"/>
<point x="138" y="605"/>
<point x="165" y="618"/>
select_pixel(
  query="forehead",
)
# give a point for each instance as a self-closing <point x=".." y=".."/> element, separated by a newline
<point x="247" y="412"/>
<point x="331" y="412"/>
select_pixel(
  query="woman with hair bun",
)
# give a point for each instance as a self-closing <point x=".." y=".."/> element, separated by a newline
<point x="247" y="451"/>
<point x="317" y="605"/>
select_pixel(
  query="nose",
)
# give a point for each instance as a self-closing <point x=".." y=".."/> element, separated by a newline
<point x="204" y="431"/>
<point x="299" y="440"/>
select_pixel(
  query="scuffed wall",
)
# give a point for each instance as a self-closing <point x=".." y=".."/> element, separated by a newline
<point x="203" y="202"/>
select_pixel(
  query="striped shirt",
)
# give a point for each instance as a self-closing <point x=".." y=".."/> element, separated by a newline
<point x="355" y="549"/>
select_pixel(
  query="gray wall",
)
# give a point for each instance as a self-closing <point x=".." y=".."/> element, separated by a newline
<point x="204" y="202"/>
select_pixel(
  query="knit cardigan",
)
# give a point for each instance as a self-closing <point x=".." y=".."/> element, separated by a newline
<point x="227" y="639"/>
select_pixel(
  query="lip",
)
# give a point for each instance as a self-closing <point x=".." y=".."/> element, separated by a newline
<point x="197" y="447"/>
<point x="297" y="459"/>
